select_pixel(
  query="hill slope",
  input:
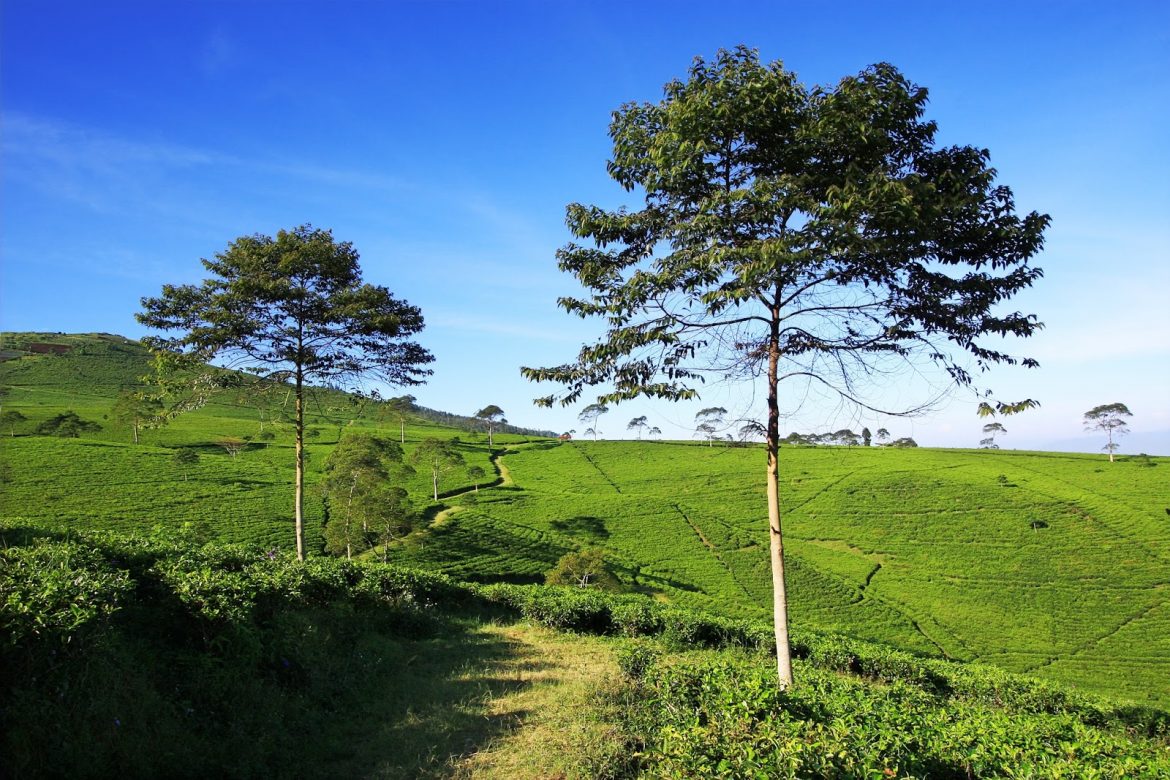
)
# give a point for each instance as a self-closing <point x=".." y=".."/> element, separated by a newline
<point x="1053" y="565"/>
<point x="1056" y="565"/>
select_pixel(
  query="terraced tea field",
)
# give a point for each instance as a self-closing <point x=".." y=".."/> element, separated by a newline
<point x="1056" y="565"/>
<point x="1051" y="564"/>
<point x="103" y="480"/>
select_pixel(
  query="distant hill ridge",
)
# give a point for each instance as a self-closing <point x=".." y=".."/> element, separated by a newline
<point x="108" y="360"/>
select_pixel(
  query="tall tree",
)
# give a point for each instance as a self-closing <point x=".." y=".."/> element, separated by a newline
<point x="438" y="457"/>
<point x="590" y="414"/>
<point x="638" y="424"/>
<point x="293" y="310"/>
<point x="792" y="234"/>
<point x="990" y="431"/>
<point x="1108" y="419"/>
<point x="492" y="416"/>
<point x="399" y="409"/>
<point x="709" y="421"/>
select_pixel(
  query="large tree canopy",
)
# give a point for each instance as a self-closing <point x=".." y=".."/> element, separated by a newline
<point x="291" y="309"/>
<point x="792" y="233"/>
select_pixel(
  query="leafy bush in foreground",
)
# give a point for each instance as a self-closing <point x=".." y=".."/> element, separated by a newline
<point x="730" y="720"/>
<point x="154" y="656"/>
<point x="625" y="615"/>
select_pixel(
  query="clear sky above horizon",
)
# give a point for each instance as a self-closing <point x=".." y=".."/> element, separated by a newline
<point x="444" y="140"/>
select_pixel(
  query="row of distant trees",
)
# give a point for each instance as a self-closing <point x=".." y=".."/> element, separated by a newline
<point x="1106" y="418"/>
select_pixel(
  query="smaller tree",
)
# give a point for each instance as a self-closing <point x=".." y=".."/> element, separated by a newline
<point x="638" y="424"/>
<point x="866" y="437"/>
<point x="364" y="509"/>
<point x="904" y="442"/>
<point x="438" y="457"/>
<point x="709" y="421"/>
<point x="67" y="425"/>
<point x="10" y="418"/>
<point x="137" y="410"/>
<point x="399" y="409"/>
<point x="590" y="414"/>
<point x="491" y="416"/>
<point x="990" y="431"/>
<point x="583" y="569"/>
<point x="184" y="458"/>
<point x="1108" y="419"/>
<point x="844" y="437"/>
<point x="476" y="475"/>
<point x="751" y="429"/>
<point x="882" y="435"/>
<point x="654" y="431"/>
<point x="231" y="445"/>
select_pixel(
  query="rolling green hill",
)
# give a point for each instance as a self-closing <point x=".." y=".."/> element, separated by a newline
<point x="1052" y="565"/>
<point x="104" y="480"/>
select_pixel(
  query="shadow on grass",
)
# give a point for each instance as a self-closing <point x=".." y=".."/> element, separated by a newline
<point x="334" y="694"/>
<point x="428" y="706"/>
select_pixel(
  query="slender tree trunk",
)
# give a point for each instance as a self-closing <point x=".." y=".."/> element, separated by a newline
<point x="435" y="483"/>
<point x="775" y="537"/>
<point x="134" y="427"/>
<point x="299" y="495"/>
<point x="1109" y="431"/>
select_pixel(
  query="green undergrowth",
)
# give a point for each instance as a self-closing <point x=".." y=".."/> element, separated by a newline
<point x="153" y="656"/>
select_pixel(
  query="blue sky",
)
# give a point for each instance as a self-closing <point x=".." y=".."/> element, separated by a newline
<point x="444" y="139"/>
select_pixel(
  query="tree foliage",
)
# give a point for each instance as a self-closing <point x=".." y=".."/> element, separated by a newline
<point x="291" y="309"/>
<point x="583" y="569"/>
<point x="491" y="415"/>
<point x="1108" y="419"/>
<point x="67" y="425"/>
<point x="185" y="457"/>
<point x="365" y="509"/>
<point x="438" y="457"/>
<point x="990" y="431"/>
<point x="792" y="234"/>
<point x="590" y="415"/>
<point x="638" y="424"/>
<point x="137" y="410"/>
<point x="10" y="418"/>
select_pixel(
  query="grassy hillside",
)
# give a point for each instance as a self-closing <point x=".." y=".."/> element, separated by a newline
<point x="141" y="656"/>
<point x="1052" y="565"/>
<point x="1055" y="565"/>
<point x="104" y="480"/>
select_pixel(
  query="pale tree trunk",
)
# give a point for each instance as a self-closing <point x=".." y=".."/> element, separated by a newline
<point x="134" y="427"/>
<point x="402" y="431"/>
<point x="299" y="494"/>
<point x="775" y="537"/>
<point x="1109" y="431"/>
<point x="435" y="483"/>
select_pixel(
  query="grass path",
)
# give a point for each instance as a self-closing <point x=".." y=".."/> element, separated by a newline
<point x="477" y="699"/>
<point x="553" y="731"/>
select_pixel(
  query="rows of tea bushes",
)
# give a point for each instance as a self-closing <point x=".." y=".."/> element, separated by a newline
<point x="155" y="656"/>
<point x="727" y="718"/>
<point x="137" y="656"/>
<point x="634" y="616"/>
<point x="1050" y="564"/>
